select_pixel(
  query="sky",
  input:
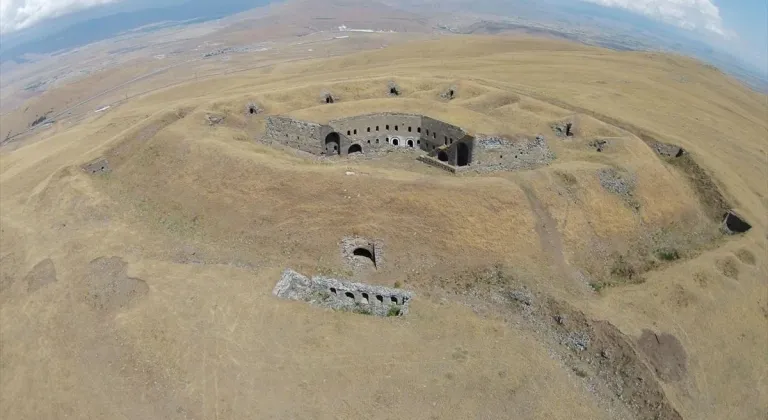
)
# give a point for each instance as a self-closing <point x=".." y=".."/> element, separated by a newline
<point x="737" y="26"/>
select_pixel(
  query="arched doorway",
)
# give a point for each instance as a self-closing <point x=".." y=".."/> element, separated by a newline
<point x="355" y="148"/>
<point x="462" y="154"/>
<point x="442" y="156"/>
<point x="410" y="143"/>
<point x="333" y="144"/>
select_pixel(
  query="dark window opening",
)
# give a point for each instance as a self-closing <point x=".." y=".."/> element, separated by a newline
<point x="377" y="141"/>
<point x="350" y="295"/>
<point x="355" y="148"/>
<point x="365" y="298"/>
<point x="355" y="131"/>
<point x="395" y="128"/>
<point x="434" y="135"/>
<point x="365" y="253"/>
<point x="451" y="141"/>
<point x="349" y="133"/>
<point x="396" y="142"/>
<point x="735" y="223"/>
<point x="369" y="142"/>
<point x="377" y="128"/>
<point x="333" y="290"/>
<point x="418" y="141"/>
<point x="394" y="299"/>
<point x="427" y="131"/>
<point x="380" y="298"/>
<point x="442" y="156"/>
<point x="410" y="143"/>
<point x="409" y="129"/>
<point x="387" y="126"/>
<point x="369" y="129"/>
<point x="418" y="129"/>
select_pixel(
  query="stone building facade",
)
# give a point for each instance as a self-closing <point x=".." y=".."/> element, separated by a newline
<point x="445" y="145"/>
<point x="364" y="133"/>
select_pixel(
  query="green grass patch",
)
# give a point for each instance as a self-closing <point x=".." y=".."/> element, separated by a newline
<point x="394" y="310"/>
<point x="667" y="254"/>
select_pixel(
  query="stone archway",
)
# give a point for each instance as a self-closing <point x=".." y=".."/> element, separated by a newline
<point x="333" y="144"/>
<point x="462" y="154"/>
<point x="355" y="148"/>
<point x="442" y="156"/>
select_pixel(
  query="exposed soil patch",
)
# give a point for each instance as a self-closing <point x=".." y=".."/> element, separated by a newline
<point x="746" y="256"/>
<point x="109" y="287"/>
<point x="728" y="267"/>
<point x="665" y="354"/>
<point x="41" y="275"/>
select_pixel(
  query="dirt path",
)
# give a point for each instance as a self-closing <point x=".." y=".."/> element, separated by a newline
<point x="551" y="240"/>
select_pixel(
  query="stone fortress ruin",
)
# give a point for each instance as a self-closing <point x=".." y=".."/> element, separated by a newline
<point x="342" y="295"/>
<point x="441" y="144"/>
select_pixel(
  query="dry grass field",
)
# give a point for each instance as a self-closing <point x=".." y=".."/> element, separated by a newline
<point x="146" y="292"/>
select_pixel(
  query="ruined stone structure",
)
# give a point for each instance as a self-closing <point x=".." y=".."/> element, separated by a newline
<point x="97" y="166"/>
<point x="342" y="295"/>
<point x="667" y="150"/>
<point x="444" y="145"/>
<point x="361" y="253"/>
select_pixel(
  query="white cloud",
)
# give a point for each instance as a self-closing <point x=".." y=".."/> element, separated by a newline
<point x="20" y="14"/>
<point x="688" y="14"/>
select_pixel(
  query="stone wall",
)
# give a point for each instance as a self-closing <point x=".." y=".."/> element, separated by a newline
<point x="431" y="161"/>
<point x="342" y="295"/>
<point x="374" y="132"/>
<point x="301" y="135"/>
<point x="438" y="133"/>
<point x="379" y="131"/>
<point x="499" y="153"/>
